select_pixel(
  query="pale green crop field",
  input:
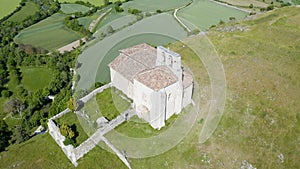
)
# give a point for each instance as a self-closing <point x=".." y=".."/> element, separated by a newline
<point x="85" y="21"/>
<point x="8" y="6"/>
<point x="72" y="8"/>
<point x="246" y="3"/>
<point x="28" y="10"/>
<point x="110" y="18"/>
<point x="153" y="5"/>
<point x="205" y="13"/>
<point x="94" y="2"/>
<point x="117" y="23"/>
<point x="50" y="33"/>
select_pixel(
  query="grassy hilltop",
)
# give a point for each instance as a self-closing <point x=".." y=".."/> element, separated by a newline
<point x="261" y="122"/>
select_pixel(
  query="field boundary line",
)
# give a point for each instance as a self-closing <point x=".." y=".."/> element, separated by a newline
<point x="175" y="16"/>
<point x="230" y="6"/>
<point x="96" y="21"/>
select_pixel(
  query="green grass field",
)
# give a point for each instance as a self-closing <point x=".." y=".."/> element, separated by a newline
<point x="50" y="33"/>
<point x="43" y="152"/>
<point x="204" y="13"/>
<point x="94" y="61"/>
<point x="28" y="10"/>
<point x="153" y="5"/>
<point x="8" y="6"/>
<point x="72" y="8"/>
<point x="71" y="120"/>
<point x="296" y="2"/>
<point x="113" y="105"/>
<point x="35" y="78"/>
<point x="261" y="119"/>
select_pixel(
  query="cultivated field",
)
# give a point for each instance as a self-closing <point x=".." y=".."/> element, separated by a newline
<point x="28" y="10"/>
<point x="72" y="8"/>
<point x="205" y="13"/>
<point x="110" y="18"/>
<point x="86" y="21"/>
<point x="49" y="33"/>
<point x="94" y="2"/>
<point x="93" y="58"/>
<point x="34" y="78"/>
<point x="8" y="6"/>
<point x="153" y="5"/>
<point x="116" y="24"/>
<point x="243" y="3"/>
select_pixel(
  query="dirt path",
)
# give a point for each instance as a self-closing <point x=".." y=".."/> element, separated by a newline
<point x="175" y="16"/>
<point x="95" y="22"/>
<point x="71" y="46"/>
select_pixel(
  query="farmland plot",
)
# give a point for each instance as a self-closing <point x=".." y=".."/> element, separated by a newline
<point x="72" y="8"/>
<point x="205" y="13"/>
<point x="8" y="6"/>
<point x="49" y="33"/>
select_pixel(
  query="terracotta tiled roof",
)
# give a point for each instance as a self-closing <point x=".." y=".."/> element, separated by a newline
<point x="157" y="78"/>
<point x="134" y="60"/>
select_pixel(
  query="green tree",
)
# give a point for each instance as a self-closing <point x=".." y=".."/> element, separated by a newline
<point x="13" y="105"/>
<point x="19" y="135"/>
<point x="67" y="131"/>
<point x="5" y="93"/>
<point x="270" y="7"/>
<point x="71" y="104"/>
<point x="5" y="135"/>
<point x="110" y="29"/>
<point x="106" y="2"/>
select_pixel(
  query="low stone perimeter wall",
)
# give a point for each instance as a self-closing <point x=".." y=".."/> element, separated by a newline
<point x="59" y="139"/>
<point x="94" y="92"/>
<point x="73" y="153"/>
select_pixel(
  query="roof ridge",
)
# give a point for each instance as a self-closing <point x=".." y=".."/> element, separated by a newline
<point x="135" y="60"/>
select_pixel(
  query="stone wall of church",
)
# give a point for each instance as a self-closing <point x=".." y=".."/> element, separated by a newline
<point x="187" y="95"/>
<point x="174" y="99"/>
<point x="142" y="100"/>
<point x="121" y="83"/>
<point x="158" y="109"/>
<point x="166" y="57"/>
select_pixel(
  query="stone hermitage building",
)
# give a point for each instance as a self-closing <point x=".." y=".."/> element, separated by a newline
<point x="154" y="79"/>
